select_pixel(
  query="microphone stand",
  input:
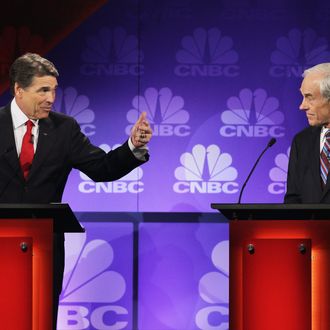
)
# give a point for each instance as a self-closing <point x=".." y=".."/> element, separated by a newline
<point x="269" y="144"/>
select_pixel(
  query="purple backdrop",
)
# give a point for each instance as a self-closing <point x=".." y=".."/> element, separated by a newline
<point x="217" y="82"/>
<point x="218" y="79"/>
<point x="183" y="274"/>
<point x="97" y="287"/>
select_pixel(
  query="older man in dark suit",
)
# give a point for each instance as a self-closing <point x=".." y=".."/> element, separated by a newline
<point x="39" y="148"/>
<point x="309" y="161"/>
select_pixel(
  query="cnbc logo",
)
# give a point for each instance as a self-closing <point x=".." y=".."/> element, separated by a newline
<point x="214" y="291"/>
<point x="206" y="170"/>
<point x="252" y="114"/>
<point x="69" y="102"/>
<point x="112" y="53"/>
<point x="206" y="53"/>
<point x="278" y="174"/>
<point x="165" y="112"/>
<point x="296" y="52"/>
<point x="92" y="292"/>
<point x="130" y="183"/>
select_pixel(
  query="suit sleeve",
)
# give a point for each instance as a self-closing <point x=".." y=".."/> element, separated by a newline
<point x="96" y="163"/>
<point x="293" y="181"/>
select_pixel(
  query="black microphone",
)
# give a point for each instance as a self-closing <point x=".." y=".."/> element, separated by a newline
<point x="270" y="143"/>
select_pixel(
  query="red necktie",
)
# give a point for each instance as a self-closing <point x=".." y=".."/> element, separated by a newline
<point x="27" y="152"/>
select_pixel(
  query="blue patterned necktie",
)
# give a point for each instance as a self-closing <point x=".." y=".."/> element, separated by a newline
<point x="325" y="159"/>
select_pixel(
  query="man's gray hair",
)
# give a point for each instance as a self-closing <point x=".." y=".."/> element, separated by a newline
<point x="324" y="82"/>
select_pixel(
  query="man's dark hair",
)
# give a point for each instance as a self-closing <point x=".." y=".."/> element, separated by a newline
<point x="28" y="66"/>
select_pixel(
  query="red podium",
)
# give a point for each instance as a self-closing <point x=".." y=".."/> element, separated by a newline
<point x="26" y="259"/>
<point x="279" y="266"/>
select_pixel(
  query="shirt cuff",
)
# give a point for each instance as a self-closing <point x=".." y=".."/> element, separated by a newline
<point x="140" y="152"/>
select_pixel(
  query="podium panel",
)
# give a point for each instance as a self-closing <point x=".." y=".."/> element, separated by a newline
<point x="318" y="232"/>
<point x="16" y="282"/>
<point x="26" y="257"/>
<point x="305" y="280"/>
<point x="41" y="284"/>
<point x="277" y="284"/>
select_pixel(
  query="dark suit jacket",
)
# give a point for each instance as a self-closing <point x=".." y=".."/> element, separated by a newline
<point x="61" y="147"/>
<point x="304" y="180"/>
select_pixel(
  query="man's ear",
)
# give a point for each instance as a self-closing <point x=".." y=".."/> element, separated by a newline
<point x="17" y="90"/>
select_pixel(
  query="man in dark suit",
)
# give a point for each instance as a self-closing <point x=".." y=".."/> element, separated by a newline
<point x="57" y="146"/>
<point x="309" y="157"/>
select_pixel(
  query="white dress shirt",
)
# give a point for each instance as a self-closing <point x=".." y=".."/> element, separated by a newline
<point x="19" y="120"/>
<point x="324" y="131"/>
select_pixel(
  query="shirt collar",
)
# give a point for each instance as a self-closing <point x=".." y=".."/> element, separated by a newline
<point x="325" y="130"/>
<point x="18" y="116"/>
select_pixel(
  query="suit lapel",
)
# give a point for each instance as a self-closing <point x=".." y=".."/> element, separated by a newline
<point x="46" y="139"/>
<point x="326" y="188"/>
<point x="313" y="145"/>
<point x="7" y="141"/>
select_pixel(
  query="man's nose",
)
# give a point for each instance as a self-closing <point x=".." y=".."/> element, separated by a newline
<point x="51" y="97"/>
<point x="303" y="106"/>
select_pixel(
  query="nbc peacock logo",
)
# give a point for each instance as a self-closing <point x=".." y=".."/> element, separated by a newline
<point x="278" y="174"/>
<point x="252" y="114"/>
<point x="130" y="183"/>
<point x="205" y="170"/>
<point x="69" y="102"/>
<point x="214" y="291"/>
<point x="165" y="112"/>
<point x="112" y="53"/>
<point x="207" y="53"/>
<point x="91" y="292"/>
<point x="296" y="51"/>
